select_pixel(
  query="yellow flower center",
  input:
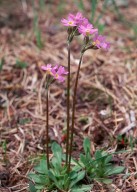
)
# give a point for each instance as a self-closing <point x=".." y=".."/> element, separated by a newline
<point x="96" y="42"/>
<point x="56" y="76"/>
<point x="88" y="32"/>
<point x="70" y="22"/>
<point x="48" y="70"/>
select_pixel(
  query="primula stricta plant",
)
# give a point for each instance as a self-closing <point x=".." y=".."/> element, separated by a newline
<point x="91" y="40"/>
<point x="53" y="74"/>
<point x="62" y="172"/>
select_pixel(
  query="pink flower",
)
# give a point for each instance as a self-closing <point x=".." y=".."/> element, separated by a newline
<point x="100" y="42"/>
<point x="75" y="20"/>
<point x="87" y="29"/>
<point x="78" y="18"/>
<point x="69" y="22"/>
<point x="58" y="73"/>
<point x="85" y="22"/>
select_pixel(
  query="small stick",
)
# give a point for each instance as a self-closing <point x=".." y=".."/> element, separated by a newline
<point x="68" y="105"/>
<point x="73" y="109"/>
<point x="47" y="127"/>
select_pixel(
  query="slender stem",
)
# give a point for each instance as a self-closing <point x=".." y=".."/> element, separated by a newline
<point x="73" y="109"/>
<point x="47" y="127"/>
<point x="68" y="105"/>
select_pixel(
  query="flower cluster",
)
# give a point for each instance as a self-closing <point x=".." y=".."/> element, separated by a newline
<point x="77" y="24"/>
<point x="82" y="24"/>
<point x="100" y="42"/>
<point x="57" y="72"/>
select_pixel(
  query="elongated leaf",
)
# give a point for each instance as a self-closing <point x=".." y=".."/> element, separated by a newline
<point x="42" y="167"/>
<point x="106" y="181"/>
<point x="83" y="160"/>
<point x="34" y="177"/>
<point x="57" y="151"/>
<point x="39" y="187"/>
<point x="80" y="4"/>
<point x="116" y="170"/>
<point x="73" y="174"/>
<point x="1" y="63"/>
<point x="108" y="159"/>
<point x="56" y="164"/>
<point x="52" y="177"/>
<point x="32" y="187"/>
<point x="98" y="155"/>
<point x="21" y="64"/>
<point x="86" y="145"/>
<point x="83" y="188"/>
<point x="93" y="9"/>
<point x="80" y="176"/>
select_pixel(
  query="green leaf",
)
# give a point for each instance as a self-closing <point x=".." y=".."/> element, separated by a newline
<point x="93" y="9"/>
<point x="37" y="31"/>
<point x="98" y="154"/>
<point x="86" y="145"/>
<point x="38" y="38"/>
<point x="42" y="167"/>
<point x="73" y="175"/>
<point x="108" y="159"/>
<point x="101" y="28"/>
<point x="83" y="188"/>
<point x="116" y="170"/>
<point x="32" y="187"/>
<point x="106" y="181"/>
<point x="57" y="151"/>
<point x="39" y="186"/>
<point x="21" y="64"/>
<point x="77" y="168"/>
<point x="1" y="63"/>
<point x="55" y="164"/>
<point x="80" y="5"/>
<point x="52" y="177"/>
<point x="80" y="176"/>
<point x="44" y="179"/>
<point x="83" y="160"/>
<point x="34" y="177"/>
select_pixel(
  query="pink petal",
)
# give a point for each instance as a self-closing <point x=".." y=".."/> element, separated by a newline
<point x="43" y="67"/>
<point x="61" y="79"/>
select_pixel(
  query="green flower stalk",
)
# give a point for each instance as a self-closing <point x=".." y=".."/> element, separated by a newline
<point x="73" y="110"/>
<point x="68" y="105"/>
<point x="47" y="126"/>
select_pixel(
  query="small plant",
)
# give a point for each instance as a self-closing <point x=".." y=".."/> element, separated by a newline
<point x="4" y="147"/>
<point x="57" y="177"/>
<point x="24" y="121"/>
<point x="98" y="167"/>
<point x="1" y="64"/>
<point x="53" y="74"/>
<point x="36" y="28"/>
<point x="21" y="64"/>
<point x="124" y="141"/>
<point x="37" y="32"/>
<point x="61" y="172"/>
<point x="77" y="25"/>
<point x="42" y="4"/>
